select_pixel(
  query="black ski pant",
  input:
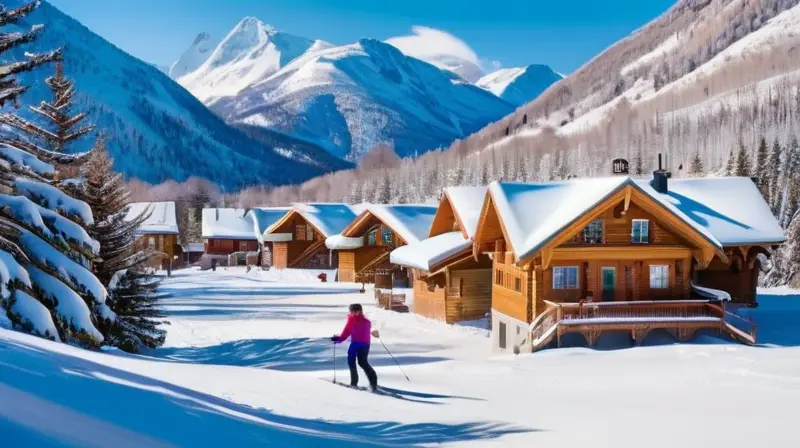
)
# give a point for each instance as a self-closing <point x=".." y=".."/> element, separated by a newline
<point x="359" y="353"/>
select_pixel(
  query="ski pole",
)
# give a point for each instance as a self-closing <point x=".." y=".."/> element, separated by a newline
<point x="334" y="362"/>
<point x="395" y="361"/>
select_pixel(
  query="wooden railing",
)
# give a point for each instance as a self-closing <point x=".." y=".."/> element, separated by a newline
<point x="684" y="317"/>
<point x="307" y="253"/>
<point x="390" y="301"/>
<point x="370" y="266"/>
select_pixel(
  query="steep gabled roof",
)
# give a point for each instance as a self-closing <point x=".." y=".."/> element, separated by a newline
<point x="162" y="220"/>
<point x="327" y="218"/>
<point x="730" y="208"/>
<point x="227" y="223"/>
<point x="410" y="222"/>
<point x="263" y="217"/>
<point x="462" y="204"/>
<point x="724" y="211"/>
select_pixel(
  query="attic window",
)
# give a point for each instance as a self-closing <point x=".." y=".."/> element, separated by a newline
<point x="300" y="232"/>
<point x="386" y="236"/>
<point x="372" y="237"/>
<point x="640" y="231"/>
<point x="593" y="233"/>
<point x="309" y="233"/>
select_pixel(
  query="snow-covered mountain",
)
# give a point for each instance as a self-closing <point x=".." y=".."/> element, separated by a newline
<point x="155" y="129"/>
<point x="191" y="59"/>
<point x="251" y="52"/>
<point x="519" y="85"/>
<point x="349" y="98"/>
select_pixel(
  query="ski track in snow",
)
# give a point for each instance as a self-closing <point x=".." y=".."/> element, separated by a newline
<point x="247" y="363"/>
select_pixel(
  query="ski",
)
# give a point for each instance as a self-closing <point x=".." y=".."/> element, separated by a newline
<point x="379" y="391"/>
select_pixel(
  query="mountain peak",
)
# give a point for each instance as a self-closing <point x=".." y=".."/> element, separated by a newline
<point x="518" y="85"/>
<point x="202" y="37"/>
<point x="193" y="57"/>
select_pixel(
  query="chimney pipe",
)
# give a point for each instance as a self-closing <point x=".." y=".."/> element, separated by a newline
<point x="660" y="181"/>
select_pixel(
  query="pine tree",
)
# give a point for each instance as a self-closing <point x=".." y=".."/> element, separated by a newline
<point x="730" y="166"/>
<point x="131" y="295"/>
<point x="773" y="173"/>
<point x="761" y="168"/>
<point x="696" y="168"/>
<point x="56" y="113"/>
<point x="46" y="286"/>
<point x="139" y="320"/>
<point x="383" y="194"/>
<point x="638" y="163"/>
<point x="742" y="166"/>
<point x="791" y="179"/>
<point x="485" y="174"/>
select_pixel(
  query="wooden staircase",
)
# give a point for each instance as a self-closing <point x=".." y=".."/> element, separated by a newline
<point x="306" y="254"/>
<point x="682" y="318"/>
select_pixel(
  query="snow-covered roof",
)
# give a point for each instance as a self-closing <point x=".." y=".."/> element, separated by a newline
<point x="328" y="218"/>
<point x="411" y="222"/>
<point x="263" y="217"/>
<point x="730" y="208"/>
<point x="466" y="203"/>
<point x="339" y="242"/>
<point x="429" y="252"/>
<point x="162" y="220"/>
<point x="195" y="247"/>
<point x="227" y="223"/>
<point x="725" y="211"/>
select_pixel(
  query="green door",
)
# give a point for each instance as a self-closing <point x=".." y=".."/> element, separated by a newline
<point x="609" y="276"/>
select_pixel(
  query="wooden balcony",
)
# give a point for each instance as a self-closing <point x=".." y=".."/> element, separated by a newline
<point x="682" y="318"/>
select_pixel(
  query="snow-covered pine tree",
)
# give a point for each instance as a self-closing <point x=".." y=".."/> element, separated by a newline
<point x="761" y="168"/>
<point x="742" y="166"/>
<point x="383" y="194"/>
<point x="638" y="163"/>
<point x="135" y="301"/>
<point x="57" y="114"/>
<point x="121" y="266"/>
<point x="730" y="166"/>
<point x="696" y="168"/>
<point x="46" y="286"/>
<point x="774" y="172"/>
<point x="791" y="179"/>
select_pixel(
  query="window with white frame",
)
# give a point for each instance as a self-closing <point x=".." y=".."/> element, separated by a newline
<point x="593" y="233"/>
<point x="659" y="276"/>
<point x="640" y="231"/>
<point x="565" y="277"/>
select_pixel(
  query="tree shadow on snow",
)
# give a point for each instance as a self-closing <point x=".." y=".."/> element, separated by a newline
<point x="290" y="355"/>
<point x="78" y="401"/>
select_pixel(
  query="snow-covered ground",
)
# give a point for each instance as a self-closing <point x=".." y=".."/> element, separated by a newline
<point x="247" y="363"/>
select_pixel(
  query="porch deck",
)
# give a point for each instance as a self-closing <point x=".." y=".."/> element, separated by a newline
<point x="682" y="318"/>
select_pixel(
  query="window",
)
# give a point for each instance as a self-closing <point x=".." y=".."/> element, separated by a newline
<point x="565" y="277"/>
<point x="386" y="236"/>
<point x="372" y="237"/>
<point x="498" y="277"/>
<point x="502" y="334"/>
<point x="517" y="284"/>
<point x="659" y="277"/>
<point x="309" y="233"/>
<point x="242" y="246"/>
<point x="300" y="232"/>
<point x="640" y="231"/>
<point x="593" y="233"/>
<point x="151" y="242"/>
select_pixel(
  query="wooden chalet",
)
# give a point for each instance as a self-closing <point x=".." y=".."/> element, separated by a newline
<point x="262" y="218"/>
<point x="363" y="246"/>
<point x="298" y="237"/>
<point x="228" y="236"/>
<point x="158" y="233"/>
<point x="618" y="254"/>
<point x="450" y="284"/>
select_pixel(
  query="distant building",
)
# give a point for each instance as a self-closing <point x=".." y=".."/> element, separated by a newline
<point x="158" y="233"/>
<point x="262" y="218"/>
<point x="228" y="231"/>
<point x="364" y="245"/>
<point x="298" y="237"/>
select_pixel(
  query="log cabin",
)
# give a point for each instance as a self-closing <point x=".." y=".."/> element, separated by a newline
<point x="228" y="231"/>
<point x="363" y="247"/>
<point x="620" y="254"/>
<point x="262" y="218"/>
<point x="298" y="237"/>
<point x="158" y="233"/>
<point x="450" y="284"/>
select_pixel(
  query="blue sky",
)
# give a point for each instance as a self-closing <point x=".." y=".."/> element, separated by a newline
<point x="562" y="34"/>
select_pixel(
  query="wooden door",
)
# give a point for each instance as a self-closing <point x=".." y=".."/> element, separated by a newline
<point x="609" y="279"/>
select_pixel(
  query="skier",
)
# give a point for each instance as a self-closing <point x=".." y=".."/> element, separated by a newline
<point x="358" y="330"/>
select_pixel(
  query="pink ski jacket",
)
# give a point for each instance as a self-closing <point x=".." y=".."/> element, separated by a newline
<point x="358" y="327"/>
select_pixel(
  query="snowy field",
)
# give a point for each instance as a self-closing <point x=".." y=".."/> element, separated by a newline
<point x="247" y="363"/>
